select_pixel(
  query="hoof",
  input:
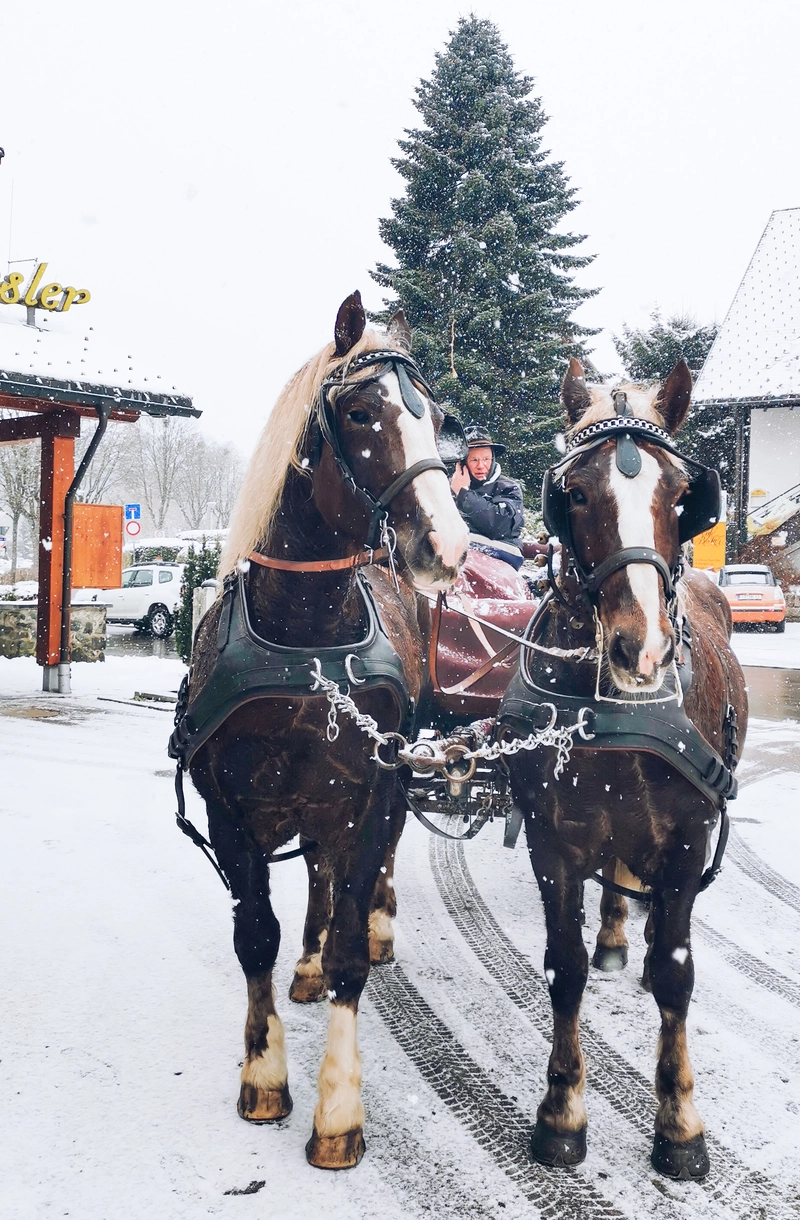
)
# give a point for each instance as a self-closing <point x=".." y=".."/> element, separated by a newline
<point x="263" y="1105"/>
<point x="610" y="959"/>
<point x="548" y="1147"/>
<point x="307" y="989"/>
<point x="688" y="1161"/>
<point x="380" y="952"/>
<point x="336" y="1151"/>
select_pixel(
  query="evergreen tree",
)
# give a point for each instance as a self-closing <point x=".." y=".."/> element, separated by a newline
<point x="652" y="353"/>
<point x="484" y="271"/>
<point x="202" y="564"/>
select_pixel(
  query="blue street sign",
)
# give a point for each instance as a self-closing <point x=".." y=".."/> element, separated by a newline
<point x="133" y="512"/>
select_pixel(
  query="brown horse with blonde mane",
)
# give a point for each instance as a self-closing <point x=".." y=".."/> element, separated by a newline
<point x="349" y="449"/>
<point x="626" y="627"/>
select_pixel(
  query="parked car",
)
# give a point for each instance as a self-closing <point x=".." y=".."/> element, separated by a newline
<point x="753" y="594"/>
<point x="149" y="598"/>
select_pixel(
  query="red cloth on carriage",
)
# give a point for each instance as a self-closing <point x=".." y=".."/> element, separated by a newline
<point x="491" y="590"/>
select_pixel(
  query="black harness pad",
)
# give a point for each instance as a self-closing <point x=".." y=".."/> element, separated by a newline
<point x="248" y="667"/>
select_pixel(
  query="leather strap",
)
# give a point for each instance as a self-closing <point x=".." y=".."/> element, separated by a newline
<point x="591" y="581"/>
<point x="320" y="565"/>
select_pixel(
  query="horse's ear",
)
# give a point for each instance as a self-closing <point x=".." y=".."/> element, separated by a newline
<point x="574" y="391"/>
<point x="674" y="396"/>
<point x="400" y="332"/>
<point x="350" y="323"/>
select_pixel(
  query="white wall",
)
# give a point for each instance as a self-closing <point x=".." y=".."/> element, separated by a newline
<point x="774" y="451"/>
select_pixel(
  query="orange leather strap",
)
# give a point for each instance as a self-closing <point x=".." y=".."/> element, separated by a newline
<point x="320" y="565"/>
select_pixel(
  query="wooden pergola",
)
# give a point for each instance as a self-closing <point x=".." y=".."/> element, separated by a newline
<point x="53" y="410"/>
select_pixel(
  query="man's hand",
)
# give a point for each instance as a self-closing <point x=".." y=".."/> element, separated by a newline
<point x="460" y="479"/>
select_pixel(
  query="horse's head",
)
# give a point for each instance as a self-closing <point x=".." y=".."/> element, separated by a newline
<point x="623" y="503"/>
<point x="380" y="423"/>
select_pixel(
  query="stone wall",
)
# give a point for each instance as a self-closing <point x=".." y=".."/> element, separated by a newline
<point x="18" y="631"/>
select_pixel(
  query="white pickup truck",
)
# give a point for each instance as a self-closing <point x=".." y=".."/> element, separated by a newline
<point x="149" y="598"/>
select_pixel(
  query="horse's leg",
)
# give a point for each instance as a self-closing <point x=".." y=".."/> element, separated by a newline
<point x="308" y="983"/>
<point x="679" y="1149"/>
<point x="559" y="1137"/>
<point x="337" y="1140"/>
<point x="611" y="950"/>
<point x="264" y="1094"/>
<point x="383" y="907"/>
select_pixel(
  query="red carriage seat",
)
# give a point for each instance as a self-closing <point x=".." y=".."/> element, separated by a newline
<point x="466" y="681"/>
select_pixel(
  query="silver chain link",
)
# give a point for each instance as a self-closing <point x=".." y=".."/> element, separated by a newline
<point x="432" y="757"/>
<point x="344" y="703"/>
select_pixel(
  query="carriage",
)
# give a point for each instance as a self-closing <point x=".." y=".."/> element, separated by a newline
<point x="348" y="673"/>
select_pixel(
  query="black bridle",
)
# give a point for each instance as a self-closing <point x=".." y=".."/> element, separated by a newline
<point x="701" y="509"/>
<point x="405" y="369"/>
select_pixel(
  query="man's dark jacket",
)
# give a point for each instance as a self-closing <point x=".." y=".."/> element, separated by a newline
<point x="493" y="508"/>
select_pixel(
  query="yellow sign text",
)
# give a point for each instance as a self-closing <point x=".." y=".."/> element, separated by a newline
<point x="53" y="297"/>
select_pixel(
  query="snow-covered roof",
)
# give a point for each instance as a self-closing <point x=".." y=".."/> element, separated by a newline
<point x="63" y="360"/>
<point x="756" y="355"/>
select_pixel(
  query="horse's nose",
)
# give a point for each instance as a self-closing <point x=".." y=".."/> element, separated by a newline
<point x="448" y="546"/>
<point x="628" y="654"/>
<point x="430" y="563"/>
<point x="624" y="652"/>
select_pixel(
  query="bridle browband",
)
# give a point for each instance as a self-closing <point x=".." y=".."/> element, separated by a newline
<point x="405" y="369"/>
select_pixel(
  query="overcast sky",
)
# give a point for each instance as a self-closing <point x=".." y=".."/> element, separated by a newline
<point x="214" y="174"/>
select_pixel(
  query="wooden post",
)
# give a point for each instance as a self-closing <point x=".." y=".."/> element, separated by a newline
<point x="58" y="470"/>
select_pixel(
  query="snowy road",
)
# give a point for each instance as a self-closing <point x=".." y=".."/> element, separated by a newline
<point x="124" y="1003"/>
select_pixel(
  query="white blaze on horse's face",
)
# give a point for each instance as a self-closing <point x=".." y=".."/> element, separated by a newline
<point x="448" y="535"/>
<point x="635" y="501"/>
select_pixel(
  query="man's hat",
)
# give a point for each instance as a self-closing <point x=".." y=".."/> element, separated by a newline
<point x="480" y="438"/>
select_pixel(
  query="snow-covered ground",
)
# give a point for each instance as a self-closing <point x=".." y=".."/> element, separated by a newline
<point x="124" y="1003"/>
<point x="769" y="649"/>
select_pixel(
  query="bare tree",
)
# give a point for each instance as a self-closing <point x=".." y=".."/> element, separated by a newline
<point x="228" y="473"/>
<point x="19" y="490"/>
<point x="160" y="452"/>
<point x="194" y="485"/>
<point x="100" y="480"/>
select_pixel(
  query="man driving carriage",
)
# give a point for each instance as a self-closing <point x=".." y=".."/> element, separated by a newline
<point x="490" y="503"/>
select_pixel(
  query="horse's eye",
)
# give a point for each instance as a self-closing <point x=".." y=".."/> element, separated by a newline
<point x="358" y="417"/>
<point x="576" y="495"/>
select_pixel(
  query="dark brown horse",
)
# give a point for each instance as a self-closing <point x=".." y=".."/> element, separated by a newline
<point x="626" y="811"/>
<point x="270" y="771"/>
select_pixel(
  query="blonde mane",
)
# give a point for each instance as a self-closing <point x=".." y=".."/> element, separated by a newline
<point x="279" y="448"/>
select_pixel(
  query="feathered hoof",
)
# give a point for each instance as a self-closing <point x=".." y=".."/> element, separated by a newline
<point x="610" y="959"/>
<point x="263" y="1105"/>
<point x="559" y="1150"/>
<point x="307" y="989"/>
<point x="688" y="1161"/>
<point x="380" y="952"/>
<point x="336" y="1151"/>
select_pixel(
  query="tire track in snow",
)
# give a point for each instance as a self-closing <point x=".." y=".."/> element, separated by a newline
<point x="497" y="1124"/>
<point x="630" y="1093"/>
<point x="747" y="964"/>
<point x="751" y="864"/>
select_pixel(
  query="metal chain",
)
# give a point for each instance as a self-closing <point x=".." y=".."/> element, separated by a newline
<point x="559" y="739"/>
<point x="343" y="702"/>
<point x="427" y="755"/>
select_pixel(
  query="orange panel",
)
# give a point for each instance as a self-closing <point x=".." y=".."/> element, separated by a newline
<point x="97" y="546"/>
